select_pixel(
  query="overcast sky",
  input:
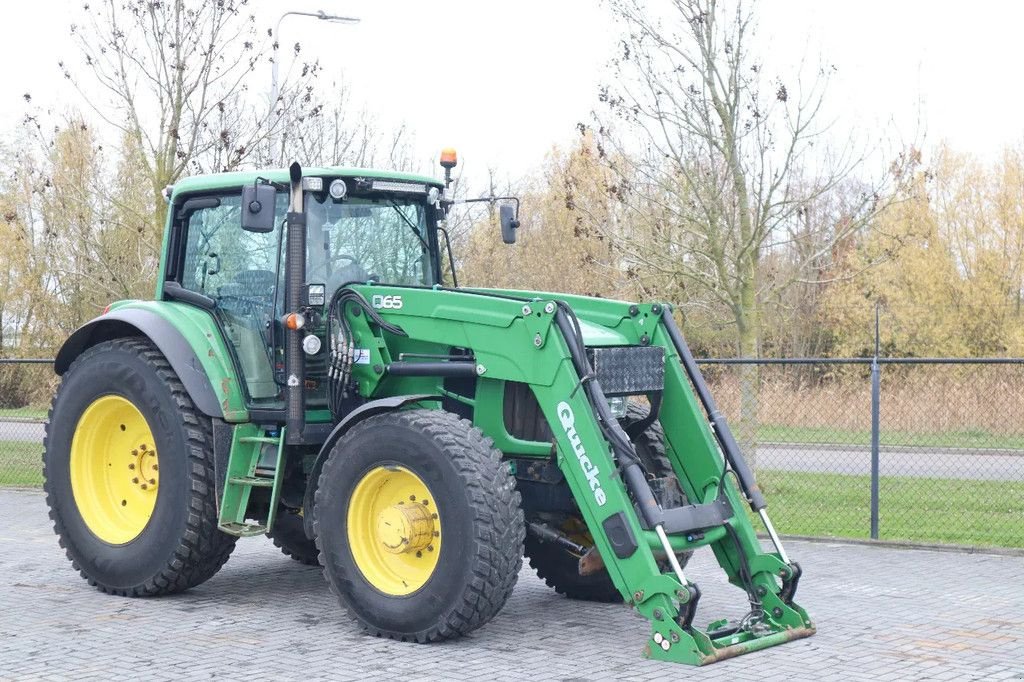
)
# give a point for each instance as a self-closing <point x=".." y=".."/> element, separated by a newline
<point x="504" y="81"/>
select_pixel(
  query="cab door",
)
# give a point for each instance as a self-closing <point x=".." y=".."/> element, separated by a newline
<point x="241" y="272"/>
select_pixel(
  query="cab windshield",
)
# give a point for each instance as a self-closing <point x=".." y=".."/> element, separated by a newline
<point x="358" y="239"/>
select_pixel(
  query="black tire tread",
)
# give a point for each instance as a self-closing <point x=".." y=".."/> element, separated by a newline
<point x="497" y="558"/>
<point x="203" y="549"/>
<point x="548" y="560"/>
<point x="301" y="549"/>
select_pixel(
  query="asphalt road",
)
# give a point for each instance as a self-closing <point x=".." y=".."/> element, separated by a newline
<point x="824" y="458"/>
<point x="907" y="462"/>
<point x="30" y="432"/>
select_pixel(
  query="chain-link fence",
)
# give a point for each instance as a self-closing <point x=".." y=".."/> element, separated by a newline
<point x="916" y="450"/>
<point x="25" y="389"/>
<point x="922" y="450"/>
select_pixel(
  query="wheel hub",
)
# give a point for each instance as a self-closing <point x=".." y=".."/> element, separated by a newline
<point x="143" y="467"/>
<point x="405" y="528"/>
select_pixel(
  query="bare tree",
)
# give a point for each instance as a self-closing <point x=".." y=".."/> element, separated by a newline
<point x="173" y="78"/>
<point x="336" y="132"/>
<point x="721" y="165"/>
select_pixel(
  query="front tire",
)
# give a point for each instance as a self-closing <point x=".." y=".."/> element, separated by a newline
<point x="129" y="475"/>
<point x="419" y="526"/>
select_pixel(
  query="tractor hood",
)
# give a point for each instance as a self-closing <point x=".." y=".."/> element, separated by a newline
<point x="597" y="335"/>
<point x="600" y="318"/>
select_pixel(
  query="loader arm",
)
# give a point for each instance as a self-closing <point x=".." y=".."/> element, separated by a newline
<point x="538" y="341"/>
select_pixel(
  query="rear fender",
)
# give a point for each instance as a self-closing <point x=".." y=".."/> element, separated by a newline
<point x="197" y="357"/>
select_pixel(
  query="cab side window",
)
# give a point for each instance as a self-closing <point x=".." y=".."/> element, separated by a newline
<point x="238" y="270"/>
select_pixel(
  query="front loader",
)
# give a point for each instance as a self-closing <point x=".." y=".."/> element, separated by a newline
<point x="308" y="371"/>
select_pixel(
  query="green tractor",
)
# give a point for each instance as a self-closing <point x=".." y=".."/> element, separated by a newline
<point x="308" y="371"/>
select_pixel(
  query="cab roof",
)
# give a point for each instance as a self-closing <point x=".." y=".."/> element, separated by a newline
<point x="220" y="181"/>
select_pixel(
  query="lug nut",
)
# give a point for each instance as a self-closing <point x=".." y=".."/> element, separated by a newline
<point x="152" y="481"/>
<point x="131" y="466"/>
<point x="430" y="548"/>
<point x="527" y="310"/>
<point x="135" y="480"/>
<point x="156" y="467"/>
<point x="549" y="308"/>
<point x="135" y="453"/>
<point x="144" y="486"/>
<point x="419" y="554"/>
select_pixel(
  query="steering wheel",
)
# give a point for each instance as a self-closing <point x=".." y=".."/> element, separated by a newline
<point x="350" y="271"/>
<point x="343" y="256"/>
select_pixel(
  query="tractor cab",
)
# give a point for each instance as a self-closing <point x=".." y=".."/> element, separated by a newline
<point x="359" y="227"/>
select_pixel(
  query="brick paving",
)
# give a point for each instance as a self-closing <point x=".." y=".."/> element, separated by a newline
<point x="882" y="614"/>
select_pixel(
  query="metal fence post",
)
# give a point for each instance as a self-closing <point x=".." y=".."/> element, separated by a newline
<point x="876" y="397"/>
<point x="876" y="390"/>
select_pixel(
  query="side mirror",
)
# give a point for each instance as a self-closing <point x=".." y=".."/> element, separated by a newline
<point x="509" y="223"/>
<point x="258" y="203"/>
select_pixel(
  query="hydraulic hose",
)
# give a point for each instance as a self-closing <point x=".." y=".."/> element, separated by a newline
<point x="719" y="426"/>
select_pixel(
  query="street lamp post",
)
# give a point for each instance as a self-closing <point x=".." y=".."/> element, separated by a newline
<point x="274" y="89"/>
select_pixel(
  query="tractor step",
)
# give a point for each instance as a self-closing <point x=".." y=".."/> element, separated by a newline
<point x="243" y="530"/>
<point x="258" y="439"/>
<point x="245" y="473"/>
<point x="254" y="481"/>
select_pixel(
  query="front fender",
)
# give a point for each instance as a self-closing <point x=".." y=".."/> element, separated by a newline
<point x="193" y="347"/>
<point x="364" y="411"/>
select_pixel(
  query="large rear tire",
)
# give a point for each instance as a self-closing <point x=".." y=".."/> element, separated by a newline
<point x="129" y="474"/>
<point x="419" y="526"/>
<point x="558" y="568"/>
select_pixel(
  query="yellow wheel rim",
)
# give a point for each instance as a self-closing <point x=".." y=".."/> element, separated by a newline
<point x="115" y="472"/>
<point x="394" y="530"/>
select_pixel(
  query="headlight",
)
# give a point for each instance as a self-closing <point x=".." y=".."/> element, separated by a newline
<point x="618" y="406"/>
<point x="338" y="189"/>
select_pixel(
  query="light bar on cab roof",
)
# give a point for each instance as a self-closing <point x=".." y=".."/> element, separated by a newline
<point x="392" y="186"/>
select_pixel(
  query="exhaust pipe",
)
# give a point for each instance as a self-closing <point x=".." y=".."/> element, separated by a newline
<point x="295" y="278"/>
